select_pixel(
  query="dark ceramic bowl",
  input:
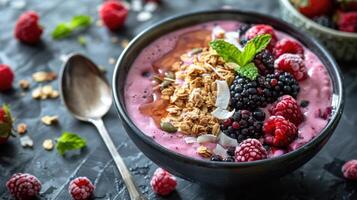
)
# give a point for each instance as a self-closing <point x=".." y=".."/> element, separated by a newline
<point x="223" y="174"/>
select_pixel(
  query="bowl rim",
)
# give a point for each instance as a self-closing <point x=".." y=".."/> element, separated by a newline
<point x="120" y="105"/>
<point x="315" y="25"/>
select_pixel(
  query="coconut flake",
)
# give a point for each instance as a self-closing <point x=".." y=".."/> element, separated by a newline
<point x="222" y="114"/>
<point x="206" y="138"/>
<point x="190" y="140"/>
<point x="223" y="95"/>
<point x="219" y="150"/>
<point x="226" y="141"/>
<point x="218" y="33"/>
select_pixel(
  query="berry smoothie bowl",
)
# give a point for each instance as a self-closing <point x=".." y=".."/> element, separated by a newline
<point x="227" y="97"/>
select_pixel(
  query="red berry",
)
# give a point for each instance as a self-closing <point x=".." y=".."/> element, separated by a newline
<point x="288" y="46"/>
<point x="287" y="107"/>
<point x="162" y="182"/>
<point x="313" y="8"/>
<point x="27" y="28"/>
<point x="347" y="21"/>
<point x="349" y="170"/>
<point x="81" y="188"/>
<point x="6" y="77"/>
<point x="279" y="132"/>
<point x="6" y="123"/>
<point x="23" y="186"/>
<point x="293" y="64"/>
<point x="113" y="14"/>
<point x="250" y="150"/>
<point x="261" y="29"/>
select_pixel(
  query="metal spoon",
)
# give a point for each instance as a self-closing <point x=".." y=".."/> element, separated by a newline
<point x="87" y="95"/>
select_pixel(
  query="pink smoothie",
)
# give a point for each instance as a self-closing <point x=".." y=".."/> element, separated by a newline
<point x="138" y="90"/>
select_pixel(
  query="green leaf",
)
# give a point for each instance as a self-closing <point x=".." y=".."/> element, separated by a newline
<point x="82" y="40"/>
<point x="69" y="141"/>
<point x="227" y="51"/>
<point x="261" y="42"/>
<point x="65" y="29"/>
<point x="249" y="71"/>
<point x="248" y="53"/>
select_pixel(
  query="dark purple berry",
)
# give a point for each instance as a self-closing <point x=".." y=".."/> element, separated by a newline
<point x="216" y="158"/>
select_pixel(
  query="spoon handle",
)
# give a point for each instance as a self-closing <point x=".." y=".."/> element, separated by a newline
<point x="134" y="193"/>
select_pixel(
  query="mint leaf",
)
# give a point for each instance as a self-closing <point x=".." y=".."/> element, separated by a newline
<point x="69" y="141"/>
<point x="65" y="29"/>
<point x="248" y="53"/>
<point x="261" y="42"/>
<point x="226" y="50"/>
<point x="249" y="71"/>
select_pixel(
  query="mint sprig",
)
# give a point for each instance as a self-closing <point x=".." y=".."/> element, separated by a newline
<point x="65" y="29"/>
<point x="69" y="141"/>
<point x="243" y="59"/>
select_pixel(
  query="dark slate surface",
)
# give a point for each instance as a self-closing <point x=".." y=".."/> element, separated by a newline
<point x="318" y="179"/>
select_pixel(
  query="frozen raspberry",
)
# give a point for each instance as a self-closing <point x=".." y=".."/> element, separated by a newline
<point x="279" y="132"/>
<point x="113" y="14"/>
<point x="349" y="170"/>
<point x="23" y="186"/>
<point x="6" y="123"/>
<point x="81" y="188"/>
<point x="6" y="77"/>
<point x="162" y="182"/>
<point x="293" y="64"/>
<point x="261" y="29"/>
<point x="287" y="107"/>
<point x="27" y="28"/>
<point x="347" y="21"/>
<point x="288" y="46"/>
<point x="250" y="150"/>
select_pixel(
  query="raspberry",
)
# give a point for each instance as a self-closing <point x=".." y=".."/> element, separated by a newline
<point x="6" y="123"/>
<point x="162" y="182"/>
<point x="279" y="132"/>
<point x="81" y="188"/>
<point x="23" y="186"/>
<point x="293" y="64"/>
<point x="265" y="62"/>
<point x="27" y="28"/>
<point x="288" y="46"/>
<point x="261" y="29"/>
<point x="287" y="107"/>
<point x="113" y="14"/>
<point x="347" y="21"/>
<point x="250" y="150"/>
<point x="244" y="124"/>
<point x="6" y="77"/>
<point x="349" y="170"/>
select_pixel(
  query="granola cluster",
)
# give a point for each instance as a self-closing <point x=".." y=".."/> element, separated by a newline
<point x="192" y="91"/>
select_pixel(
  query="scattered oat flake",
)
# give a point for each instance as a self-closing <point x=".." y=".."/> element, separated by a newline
<point x="124" y="43"/>
<point x="44" y="76"/>
<point x="137" y="5"/>
<point x="24" y="84"/>
<point x="111" y="61"/>
<point x="45" y="92"/>
<point x="26" y="141"/>
<point x="151" y="6"/>
<point x="144" y="16"/>
<point x="49" y="120"/>
<point x="21" y="128"/>
<point x="103" y="69"/>
<point x="47" y="144"/>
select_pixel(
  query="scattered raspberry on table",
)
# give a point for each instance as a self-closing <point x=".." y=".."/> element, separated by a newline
<point x="23" y="186"/>
<point x="250" y="150"/>
<point x="349" y="170"/>
<point x="162" y="182"/>
<point x="113" y="14"/>
<point x="81" y="188"/>
<point x="6" y="77"/>
<point x="27" y="28"/>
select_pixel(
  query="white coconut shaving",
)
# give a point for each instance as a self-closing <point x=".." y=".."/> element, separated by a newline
<point x="218" y="32"/>
<point x="219" y="150"/>
<point x="206" y="138"/>
<point x="223" y="94"/>
<point x="222" y="114"/>
<point x="226" y="141"/>
<point x="190" y="140"/>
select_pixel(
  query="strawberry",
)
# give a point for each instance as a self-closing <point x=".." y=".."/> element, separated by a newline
<point x="313" y="8"/>
<point x="6" y="123"/>
<point x="347" y="21"/>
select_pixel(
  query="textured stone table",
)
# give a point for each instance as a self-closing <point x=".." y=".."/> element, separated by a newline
<point x="318" y="179"/>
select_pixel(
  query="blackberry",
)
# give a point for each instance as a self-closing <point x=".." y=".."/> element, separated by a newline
<point x="231" y="151"/>
<point x="243" y="28"/>
<point x="229" y="159"/>
<point x="265" y="62"/>
<point x="243" y="125"/>
<point x="325" y="21"/>
<point x="216" y="158"/>
<point x="279" y="84"/>
<point x="246" y="94"/>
